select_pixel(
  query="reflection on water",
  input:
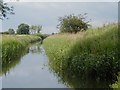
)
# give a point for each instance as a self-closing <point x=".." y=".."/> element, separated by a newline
<point x="82" y="82"/>
<point x="11" y="63"/>
<point x="35" y="49"/>
<point x="29" y="70"/>
<point x="79" y="81"/>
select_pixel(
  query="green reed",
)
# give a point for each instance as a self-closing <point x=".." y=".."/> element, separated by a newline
<point x="12" y="45"/>
<point x="90" y="54"/>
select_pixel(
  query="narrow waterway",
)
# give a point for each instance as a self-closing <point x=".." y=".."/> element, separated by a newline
<point x="31" y="71"/>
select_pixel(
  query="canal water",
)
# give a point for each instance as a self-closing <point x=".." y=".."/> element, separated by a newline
<point x="31" y="71"/>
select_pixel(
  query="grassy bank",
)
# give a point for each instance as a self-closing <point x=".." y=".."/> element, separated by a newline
<point x="13" y="45"/>
<point x="87" y="55"/>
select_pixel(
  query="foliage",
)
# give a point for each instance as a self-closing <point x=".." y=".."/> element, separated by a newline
<point x="4" y="10"/>
<point x="43" y="36"/>
<point x="11" y="31"/>
<point x="87" y="55"/>
<point x="117" y="84"/>
<point x="35" y="29"/>
<point x="15" y="43"/>
<point x="11" y="63"/>
<point x="72" y="23"/>
<point x="6" y="32"/>
<point x="39" y="27"/>
<point x="23" y="29"/>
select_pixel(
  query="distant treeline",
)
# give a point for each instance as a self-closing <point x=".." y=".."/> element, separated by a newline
<point x="24" y="29"/>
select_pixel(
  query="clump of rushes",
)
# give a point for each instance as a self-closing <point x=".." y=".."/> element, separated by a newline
<point x="90" y="54"/>
<point x="13" y="44"/>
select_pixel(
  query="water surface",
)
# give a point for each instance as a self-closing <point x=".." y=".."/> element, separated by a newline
<point x="30" y="71"/>
<point x="33" y="69"/>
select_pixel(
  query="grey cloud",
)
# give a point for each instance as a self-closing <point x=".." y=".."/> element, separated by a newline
<point x="47" y="14"/>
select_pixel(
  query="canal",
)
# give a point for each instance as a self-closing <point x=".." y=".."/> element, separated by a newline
<point x="30" y="71"/>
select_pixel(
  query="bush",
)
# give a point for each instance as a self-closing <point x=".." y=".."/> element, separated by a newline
<point x="11" y="31"/>
<point x="4" y="32"/>
<point x="23" y="29"/>
<point x="72" y="23"/>
<point x="43" y="36"/>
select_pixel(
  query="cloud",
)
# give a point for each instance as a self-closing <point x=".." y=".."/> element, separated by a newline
<point x="46" y="14"/>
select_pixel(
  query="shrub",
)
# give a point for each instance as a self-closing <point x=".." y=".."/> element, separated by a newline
<point x="23" y="29"/>
<point x="72" y="23"/>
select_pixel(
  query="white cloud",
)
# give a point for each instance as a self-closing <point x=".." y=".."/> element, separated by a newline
<point x="47" y="14"/>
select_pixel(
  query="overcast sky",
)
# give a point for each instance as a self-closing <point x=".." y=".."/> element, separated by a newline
<point x="47" y="13"/>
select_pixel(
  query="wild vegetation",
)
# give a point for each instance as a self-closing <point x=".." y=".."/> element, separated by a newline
<point x="86" y="56"/>
<point x="117" y="84"/>
<point x="12" y="46"/>
<point x="11" y="31"/>
<point x="43" y="36"/>
<point x="35" y="29"/>
<point x="5" y="9"/>
<point x="27" y="29"/>
<point x="11" y="63"/>
<point x="87" y="59"/>
<point x="23" y="29"/>
<point x="72" y="23"/>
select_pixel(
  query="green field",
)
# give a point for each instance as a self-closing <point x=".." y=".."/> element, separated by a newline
<point x="86" y="57"/>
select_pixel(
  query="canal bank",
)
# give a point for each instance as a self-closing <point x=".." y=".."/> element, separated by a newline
<point x="31" y="71"/>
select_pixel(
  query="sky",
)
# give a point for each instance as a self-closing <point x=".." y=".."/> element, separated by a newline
<point x="35" y="12"/>
<point x="47" y="13"/>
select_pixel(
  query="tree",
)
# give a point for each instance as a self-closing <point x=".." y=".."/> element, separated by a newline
<point x="39" y="28"/>
<point x="35" y="29"/>
<point x="11" y="31"/>
<point x="4" y="10"/>
<point x="6" y="32"/>
<point x="23" y="29"/>
<point x="72" y="23"/>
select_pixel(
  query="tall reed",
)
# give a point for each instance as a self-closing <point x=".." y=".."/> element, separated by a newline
<point x="13" y="45"/>
<point x="90" y="54"/>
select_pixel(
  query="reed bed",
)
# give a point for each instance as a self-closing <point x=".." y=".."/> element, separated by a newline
<point x="90" y="54"/>
<point x="12" y="45"/>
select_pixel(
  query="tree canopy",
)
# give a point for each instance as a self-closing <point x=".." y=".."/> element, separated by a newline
<point x="11" y="31"/>
<point x="23" y="29"/>
<point x="72" y="23"/>
<point x="35" y="29"/>
<point x="5" y="9"/>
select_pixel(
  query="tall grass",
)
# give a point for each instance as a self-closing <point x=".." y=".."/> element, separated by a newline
<point x="91" y="54"/>
<point x="8" y="65"/>
<point x="117" y="84"/>
<point x="13" y="45"/>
